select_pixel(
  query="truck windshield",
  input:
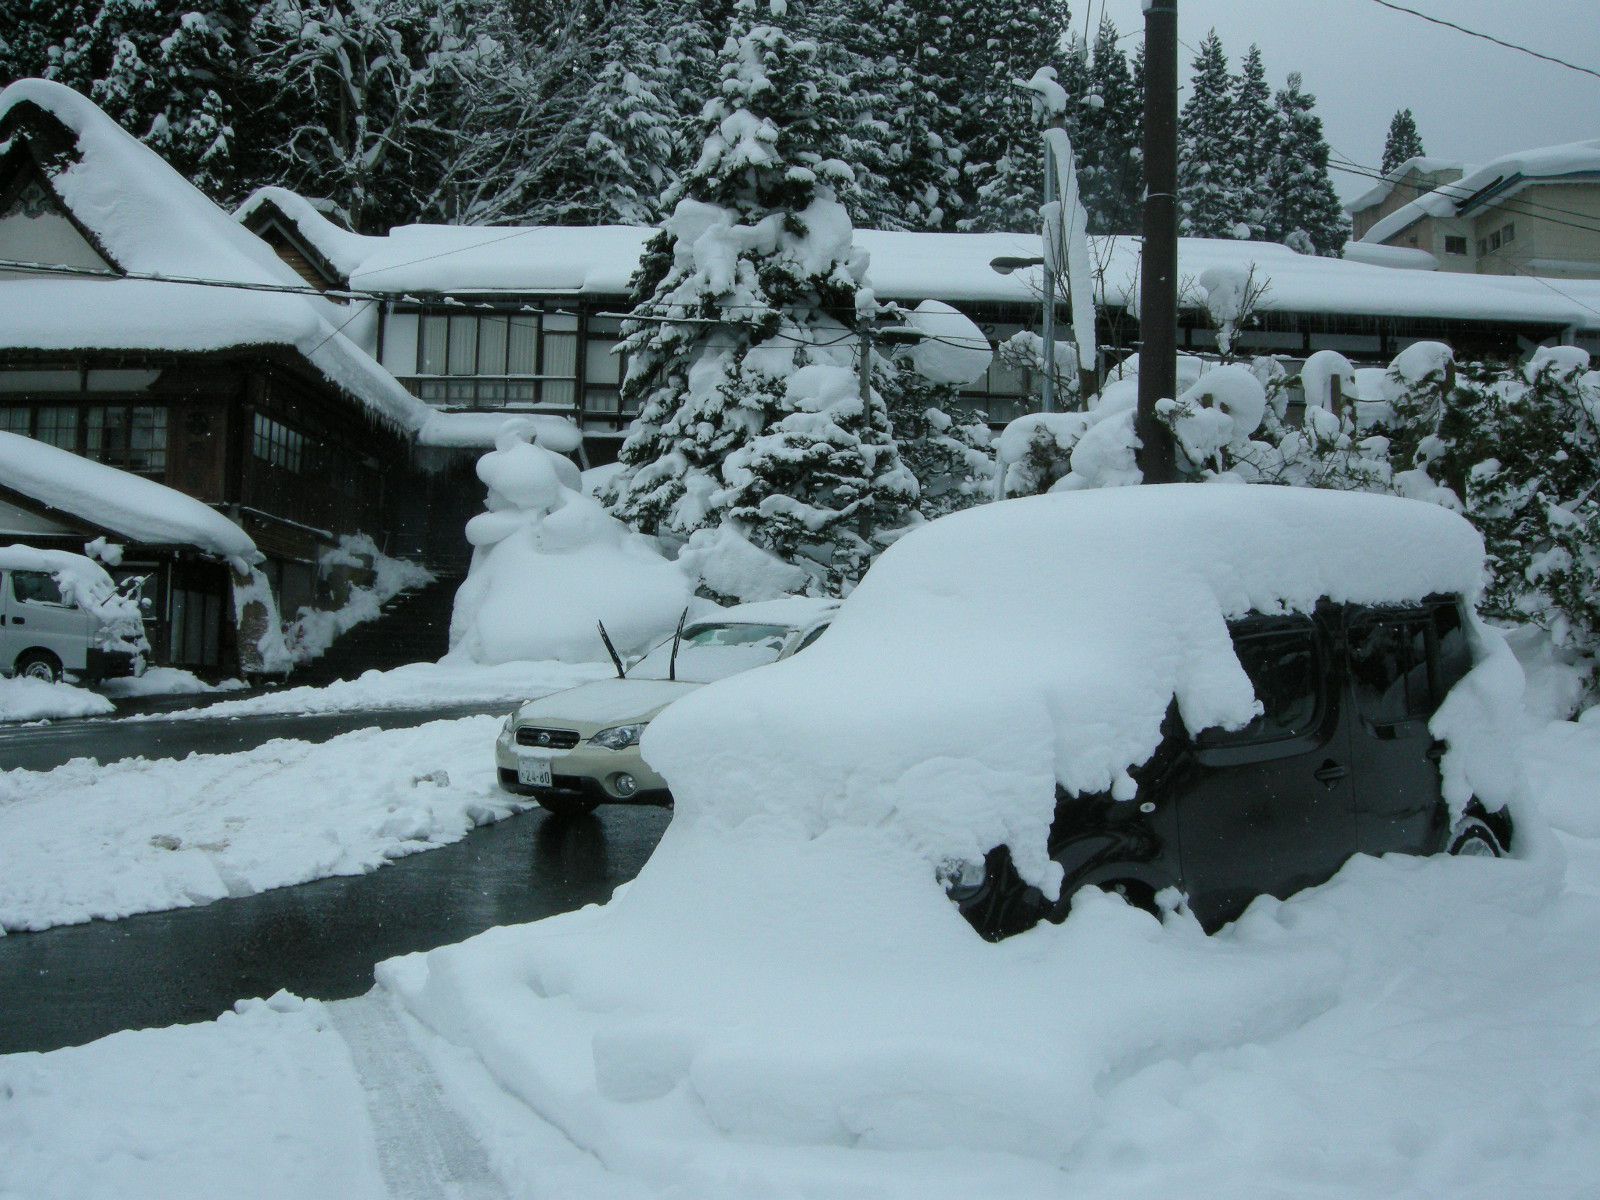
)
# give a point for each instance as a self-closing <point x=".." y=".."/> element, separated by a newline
<point x="711" y="652"/>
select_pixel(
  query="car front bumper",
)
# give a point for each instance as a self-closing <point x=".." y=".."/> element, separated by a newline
<point x="584" y="772"/>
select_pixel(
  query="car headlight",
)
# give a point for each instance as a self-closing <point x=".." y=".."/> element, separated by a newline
<point x="618" y="737"/>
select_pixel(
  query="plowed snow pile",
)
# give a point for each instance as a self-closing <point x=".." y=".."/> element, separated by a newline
<point x="785" y="1003"/>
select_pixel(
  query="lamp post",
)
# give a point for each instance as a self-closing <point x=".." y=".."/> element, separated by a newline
<point x="1005" y="266"/>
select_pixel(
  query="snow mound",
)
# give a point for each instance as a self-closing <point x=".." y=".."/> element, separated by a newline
<point x="37" y="700"/>
<point x="953" y="350"/>
<point x="549" y="561"/>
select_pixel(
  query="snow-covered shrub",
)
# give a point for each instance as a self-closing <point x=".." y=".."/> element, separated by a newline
<point x="548" y="562"/>
<point x="1522" y="452"/>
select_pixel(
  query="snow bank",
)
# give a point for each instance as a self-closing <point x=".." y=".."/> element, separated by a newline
<point x="767" y="1013"/>
<point x="166" y="681"/>
<point x="260" y="1104"/>
<point x="86" y="841"/>
<point x="36" y="700"/>
<point x="549" y="561"/>
<point x="131" y="506"/>
<point x="415" y="685"/>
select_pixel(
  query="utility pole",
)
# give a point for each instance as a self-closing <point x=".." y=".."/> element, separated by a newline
<point x="1158" y="283"/>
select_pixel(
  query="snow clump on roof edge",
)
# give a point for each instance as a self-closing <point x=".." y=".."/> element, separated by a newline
<point x="993" y="653"/>
<point x="133" y="507"/>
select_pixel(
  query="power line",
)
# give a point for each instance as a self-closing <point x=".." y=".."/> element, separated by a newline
<point x="1488" y="37"/>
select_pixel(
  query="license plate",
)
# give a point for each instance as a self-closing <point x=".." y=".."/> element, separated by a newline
<point x="533" y="772"/>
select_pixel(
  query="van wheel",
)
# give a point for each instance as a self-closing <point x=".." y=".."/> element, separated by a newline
<point x="567" y="806"/>
<point x="1474" y="839"/>
<point x="40" y="665"/>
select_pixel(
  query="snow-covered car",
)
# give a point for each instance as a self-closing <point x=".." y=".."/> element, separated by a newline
<point x="579" y="748"/>
<point x="60" y="615"/>
<point x="1204" y="692"/>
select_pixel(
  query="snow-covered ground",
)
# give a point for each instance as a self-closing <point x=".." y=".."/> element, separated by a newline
<point x="1415" y="1027"/>
<point x="453" y="680"/>
<point x="85" y="840"/>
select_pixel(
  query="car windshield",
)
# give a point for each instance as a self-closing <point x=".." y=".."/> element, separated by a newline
<point x="712" y="652"/>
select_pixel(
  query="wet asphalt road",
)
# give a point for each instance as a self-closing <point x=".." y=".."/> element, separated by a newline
<point x="74" y="983"/>
<point x="39" y="747"/>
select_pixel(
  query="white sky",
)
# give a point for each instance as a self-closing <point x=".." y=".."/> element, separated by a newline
<point x="1472" y="100"/>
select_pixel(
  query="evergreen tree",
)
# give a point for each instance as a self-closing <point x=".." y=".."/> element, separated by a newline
<point x="1213" y="200"/>
<point x="1004" y="156"/>
<point x="751" y="423"/>
<point x="626" y="159"/>
<point x="1256" y="121"/>
<point x="1403" y="143"/>
<point x="1109" y="140"/>
<point x="1305" y="212"/>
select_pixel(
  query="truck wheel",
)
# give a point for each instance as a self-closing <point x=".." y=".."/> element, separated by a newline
<point x="40" y="665"/>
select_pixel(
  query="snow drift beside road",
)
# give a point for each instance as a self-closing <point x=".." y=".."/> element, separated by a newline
<point x="86" y="841"/>
<point x="37" y="700"/>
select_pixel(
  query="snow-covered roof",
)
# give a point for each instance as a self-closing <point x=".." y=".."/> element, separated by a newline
<point x="342" y="249"/>
<point x="129" y="506"/>
<point x="149" y="220"/>
<point x="598" y="261"/>
<point x="1421" y="164"/>
<point x="1493" y="182"/>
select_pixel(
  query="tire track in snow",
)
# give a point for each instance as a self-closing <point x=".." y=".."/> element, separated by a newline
<point x="425" y="1151"/>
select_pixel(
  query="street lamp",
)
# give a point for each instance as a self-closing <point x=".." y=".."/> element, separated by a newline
<point x="1005" y="265"/>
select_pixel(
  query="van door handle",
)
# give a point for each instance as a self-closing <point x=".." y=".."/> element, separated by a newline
<point x="18" y="621"/>
<point x="1329" y="773"/>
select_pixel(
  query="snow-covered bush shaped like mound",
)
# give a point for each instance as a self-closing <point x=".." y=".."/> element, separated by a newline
<point x="548" y="562"/>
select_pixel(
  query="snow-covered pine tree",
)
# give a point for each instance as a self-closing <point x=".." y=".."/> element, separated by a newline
<point x="1305" y="213"/>
<point x="1213" y="196"/>
<point x="1403" y="143"/>
<point x="1109" y="139"/>
<point x="752" y="426"/>
<point x="625" y="161"/>
<point x="169" y="73"/>
<point x="1257" y="124"/>
<point x="863" y="85"/>
<point x="1001" y="44"/>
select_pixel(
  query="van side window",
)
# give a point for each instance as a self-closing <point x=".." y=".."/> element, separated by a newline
<point x="1389" y="667"/>
<point x="1286" y="672"/>
<point x="39" y="587"/>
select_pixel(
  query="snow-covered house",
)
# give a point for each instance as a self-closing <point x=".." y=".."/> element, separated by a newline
<point x="143" y="328"/>
<point x="1536" y="212"/>
<point x="477" y="320"/>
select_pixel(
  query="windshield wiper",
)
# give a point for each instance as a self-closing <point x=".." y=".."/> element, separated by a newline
<point x="616" y="659"/>
<point x="672" y="663"/>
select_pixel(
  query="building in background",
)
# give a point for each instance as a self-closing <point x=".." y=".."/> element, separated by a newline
<point x="1535" y="213"/>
